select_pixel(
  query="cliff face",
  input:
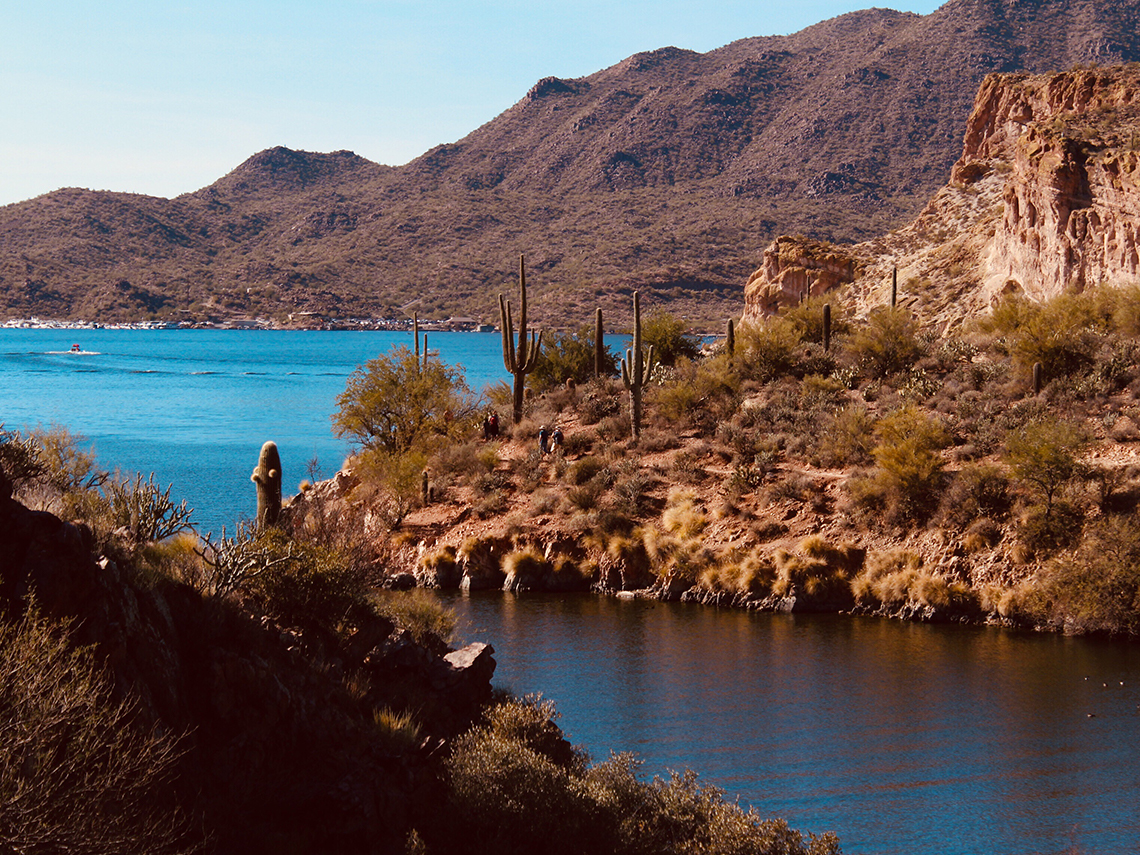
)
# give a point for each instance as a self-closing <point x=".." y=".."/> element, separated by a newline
<point x="1045" y="197"/>
<point x="1072" y="201"/>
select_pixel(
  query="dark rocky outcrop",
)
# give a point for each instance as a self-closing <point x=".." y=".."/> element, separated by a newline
<point x="278" y="754"/>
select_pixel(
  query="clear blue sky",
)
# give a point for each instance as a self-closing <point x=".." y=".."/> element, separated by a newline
<point x="166" y="96"/>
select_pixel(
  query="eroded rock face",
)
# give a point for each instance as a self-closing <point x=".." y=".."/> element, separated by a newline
<point x="795" y="268"/>
<point x="1072" y="200"/>
<point x="1045" y="198"/>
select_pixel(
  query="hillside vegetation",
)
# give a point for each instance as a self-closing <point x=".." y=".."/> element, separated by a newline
<point x="990" y="476"/>
<point x="668" y="172"/>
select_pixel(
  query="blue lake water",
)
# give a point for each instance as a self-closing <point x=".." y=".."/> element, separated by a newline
<point x="195" y="406"/>
<point x="902" y="738"/>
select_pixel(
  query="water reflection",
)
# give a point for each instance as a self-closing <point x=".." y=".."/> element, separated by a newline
<point x="901" y="737"/>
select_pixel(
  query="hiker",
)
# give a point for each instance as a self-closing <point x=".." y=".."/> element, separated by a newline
<point x="487" y="427"/>
<point x="556" y="439"/>
<point x="494" y="424"/>
<point x="543" y="439"/>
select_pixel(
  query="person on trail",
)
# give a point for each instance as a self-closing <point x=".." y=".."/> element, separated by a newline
<point x="543" y="439"/>
<point x="494" y="420"/>
<point x="556" y="439"/>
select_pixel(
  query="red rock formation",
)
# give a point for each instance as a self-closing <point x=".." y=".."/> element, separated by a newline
<point x="1045" y="198"/>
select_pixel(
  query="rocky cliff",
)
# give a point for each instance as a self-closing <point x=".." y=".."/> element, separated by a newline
<point x="1045" y="197"/>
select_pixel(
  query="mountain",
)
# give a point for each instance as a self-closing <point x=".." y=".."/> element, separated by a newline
<point x="668" y="172"/>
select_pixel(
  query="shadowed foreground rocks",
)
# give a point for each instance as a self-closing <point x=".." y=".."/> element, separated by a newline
<point x="278" y="755"/>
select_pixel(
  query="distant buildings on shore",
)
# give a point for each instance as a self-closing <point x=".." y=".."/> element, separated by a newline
<point x="296" y="321"/>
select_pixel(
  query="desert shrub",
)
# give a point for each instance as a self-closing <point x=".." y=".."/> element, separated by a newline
<point x="751" y="574"/>
<point x="492" y="503"/>
<point x="1045" y="455"/>
<point x="701" y="393"/>
<point x="982" y="534"/>
<point x="467" y="460"/>
<point x="669" y="338"/>
<point x="144" y="510"/>
<point x="419" y="611"/>
<point x="907" y="478"/>
<point x="629" y="492"/>
<point x="596" y="404"/>
<point x="1097" y="588"/>
<point x="766" y="349"/>
<point x="396" y="405"/>
<point x="887" y="342"/>
<point x="809" y="577"/>
<point x="390" y="482"/>
<point x="569" y="356"/>
<point x="177" y="557"/>
<point x="806" y="319"/>
<point x="1062" y="334"/>
<point x="316" y="587"/>
<point x="976" y="490"/>
<point x="398" y="731"/>
<point x="20" y="458"/>
<point x="682" y="516"/>
<point x="847" y="437"/>
<point x="897" y="577"/>
<point x="585" y="470"/>
<point x="77" y="772"/>
<point x="440" y="563"/>
<point x="615" y="428"/>
<point x="1044" y="530"/>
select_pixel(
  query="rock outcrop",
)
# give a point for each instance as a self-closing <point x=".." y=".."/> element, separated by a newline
<point x="1045" y="198"/>
<point x="280" y="751"/>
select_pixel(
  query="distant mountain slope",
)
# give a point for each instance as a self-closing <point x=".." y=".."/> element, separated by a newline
<point x="668" y="172"/>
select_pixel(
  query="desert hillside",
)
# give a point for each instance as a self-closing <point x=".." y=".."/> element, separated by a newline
<point x="668" y="172"/>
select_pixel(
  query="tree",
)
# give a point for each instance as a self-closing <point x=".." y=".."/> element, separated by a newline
<point x="1046" y="455"/>
<point x="666" y="335"/>
<point x="570" y="356"/>
<point x="396" y="405"/>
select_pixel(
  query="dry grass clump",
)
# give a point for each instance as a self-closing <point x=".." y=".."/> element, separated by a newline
<point x="818" y="571"/>
<point x="897" y="577"/>
<point x="752" y="574"/>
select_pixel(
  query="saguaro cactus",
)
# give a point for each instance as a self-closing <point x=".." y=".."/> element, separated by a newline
<point x="730" y="340"/>
<point x="636" y="368"/>
<point x="416" y="334"/>
<point x="599" y="345"/>
<point x="894" y="287"/>
<point x="519" y="360"/>
<point x="827" y="326"/>
<point x="1037" y="375"/>
<point x="267" y="477"/>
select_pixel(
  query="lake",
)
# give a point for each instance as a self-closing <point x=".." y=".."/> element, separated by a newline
<point x="902" y="738"/>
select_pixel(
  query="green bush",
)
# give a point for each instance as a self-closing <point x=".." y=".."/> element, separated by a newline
<point x="431" y="623"/>
<point x="669" y="338"/>
<point x="517" y="787"/>
<point x="766" y="349"/>
<point x="396" y="404"/>
<point x="1045" y="456"/>
<point x="887" y="342"/>
<point x="569" y="357"/>
<point x="1096" y="589"/>
<point x="907" y="479"/>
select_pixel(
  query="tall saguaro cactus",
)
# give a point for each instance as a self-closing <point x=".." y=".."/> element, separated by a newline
<point x="599" y="345"/>
<point x="519" y="359"/>
<point x="267" y="477"/>
<point x="636" y="368"/>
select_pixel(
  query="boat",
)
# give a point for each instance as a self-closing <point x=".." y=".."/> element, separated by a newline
<point x="76" y="349"/>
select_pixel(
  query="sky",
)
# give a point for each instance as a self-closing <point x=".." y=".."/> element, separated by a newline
<point x="166" y="96"/>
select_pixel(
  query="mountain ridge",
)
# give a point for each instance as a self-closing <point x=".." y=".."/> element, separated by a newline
<point x="667" y="172"/>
